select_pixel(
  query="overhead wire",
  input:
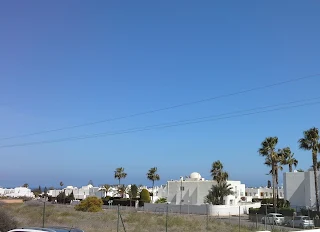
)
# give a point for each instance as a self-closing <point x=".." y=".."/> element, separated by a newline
<point x="240" y="113"/>
<point x="162" y="109"/>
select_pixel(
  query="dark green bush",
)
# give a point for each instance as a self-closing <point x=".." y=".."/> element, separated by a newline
<point x="145" y="196"/>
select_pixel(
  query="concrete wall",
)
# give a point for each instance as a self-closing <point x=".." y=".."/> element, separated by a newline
<point x="294" y="188"/>
<point x="299" y="188"/>
<point x="212" y="210"/>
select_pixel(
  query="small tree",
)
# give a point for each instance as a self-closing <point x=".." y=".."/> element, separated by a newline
<point x="218" y="192"/>
<point x="26" y="185"/>
<point x="90" y="204"/>
<point x="71" y="197"/>
<point x="61" y="197"/>
<point x="145" y="196"/>
<point x="134" y="191"/>
<point x="269" y="184"/>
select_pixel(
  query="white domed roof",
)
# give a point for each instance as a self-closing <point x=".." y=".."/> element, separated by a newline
<point x="195" y="175"/>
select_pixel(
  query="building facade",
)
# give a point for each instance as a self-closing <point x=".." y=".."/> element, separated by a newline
<point x="192" y="190"/>
<point x="299" y="188"/>
<point x="16" y="192"/>
<point x="263" y="192"/>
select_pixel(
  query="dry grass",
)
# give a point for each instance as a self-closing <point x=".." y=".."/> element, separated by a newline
<point x="57" y="215"/>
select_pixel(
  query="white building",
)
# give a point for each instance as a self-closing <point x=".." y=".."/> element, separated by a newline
<point x="80" y="193"/>
<point x="193" y="189"/>
<point x="263" y="192"/>
<point x="299" y="188"/>
<point x="16" y="192"/>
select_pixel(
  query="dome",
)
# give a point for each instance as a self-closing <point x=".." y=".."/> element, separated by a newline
<point x="195" y="175"/>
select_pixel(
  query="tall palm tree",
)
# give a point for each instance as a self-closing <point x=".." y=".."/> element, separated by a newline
<point x="217" y="172"/>
<point x="153" y="176"/>
<point x="119" y="174"/>
<point x="64" y="195"/>
<point x="288" y="158"/>
<point x="268" y="150"/>
<point x="310" y="141"/>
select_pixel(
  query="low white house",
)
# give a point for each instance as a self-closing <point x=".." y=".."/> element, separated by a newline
<point x="193" y="189"/>
<point x="16" y="192"/>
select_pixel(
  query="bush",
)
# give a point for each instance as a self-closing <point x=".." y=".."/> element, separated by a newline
<point x="6" y="221"/>
<point x="161" y="200"/>
<point x="145" y="196"/>
<point x="90" y="204"/>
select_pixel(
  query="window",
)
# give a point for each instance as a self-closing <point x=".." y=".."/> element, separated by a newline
<point x="246" y="193"/>
<point x="182" y="188"/>
<point x="266" y="194"/>
<point x="261" y="194"/>
<point x="231" y="202"/>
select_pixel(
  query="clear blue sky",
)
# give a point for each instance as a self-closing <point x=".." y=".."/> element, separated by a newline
<point x="66" y="63"/>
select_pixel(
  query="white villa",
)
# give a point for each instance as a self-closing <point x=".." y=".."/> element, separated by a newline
<point x="193" y="189"/>
<point x="299" y="188"/>
<point x="80" y="193"/>
<point x="263" y="192"/>
<point x="16" y="192"/>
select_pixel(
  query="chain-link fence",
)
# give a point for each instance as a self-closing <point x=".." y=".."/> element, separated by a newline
<point x="162" y="218"/>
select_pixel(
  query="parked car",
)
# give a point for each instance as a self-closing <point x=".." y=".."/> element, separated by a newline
<point x="302" y="222"/>
<point x="273" y="219"/>
<point x="47" y="229"/>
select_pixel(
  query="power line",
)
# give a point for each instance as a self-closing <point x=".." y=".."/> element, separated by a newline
<point x="177" y="123"/>
<point x="162" y="109"/>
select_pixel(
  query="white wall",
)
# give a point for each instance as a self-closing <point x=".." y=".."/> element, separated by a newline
<point x="195" y="191"/>
<point x="212" y="210"/>
<point x="299" y="188"/>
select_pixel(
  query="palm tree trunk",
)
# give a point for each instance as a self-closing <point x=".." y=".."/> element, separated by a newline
<point x="277" y="183"/>
<point x="290" y="167"/>
<point x="314" y="159"/>
<point x="273" y="185"/>
<point x="152" y="190"/>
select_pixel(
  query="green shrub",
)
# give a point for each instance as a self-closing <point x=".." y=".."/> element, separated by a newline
<point x="145" y="196"/>
<point x="7" y="222"/>
<point x="90" y="204"/>
<point x="161" y="200"/>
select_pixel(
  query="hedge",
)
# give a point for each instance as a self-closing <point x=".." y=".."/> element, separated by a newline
<point x="262" y="210"/>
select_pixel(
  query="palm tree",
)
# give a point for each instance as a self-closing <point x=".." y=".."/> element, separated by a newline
<point x="64" y="195"/>
<point x="119" y="174"/>
<point x="288" y="158"/>
<point x="218" y="173"/>
<point x="310" y="141"/>
<point x="218" y="192"/>
<point x="267" y="150"/>
<point x="153" y="176"/>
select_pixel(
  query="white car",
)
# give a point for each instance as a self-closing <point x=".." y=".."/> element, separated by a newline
<point x="302" y="222"/>
<point x="273" y="219"/>
<point x="49" y="229"/>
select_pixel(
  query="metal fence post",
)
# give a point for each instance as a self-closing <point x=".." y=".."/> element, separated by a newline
<point x="256" y="220"/>
<point x="239" y="218"/>
<point x="118" y="218"/>
<point x="167" y="217"/>
<point x="44" y="213"/>
<point x="207" y="217"/>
